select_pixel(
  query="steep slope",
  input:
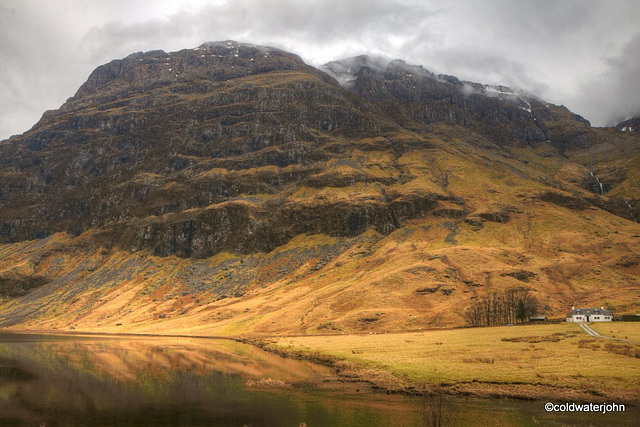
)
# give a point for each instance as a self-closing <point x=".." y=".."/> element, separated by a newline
<point x="416" y="97"/>
<point x="232" y="188"/>
<point x="517" y="124"/>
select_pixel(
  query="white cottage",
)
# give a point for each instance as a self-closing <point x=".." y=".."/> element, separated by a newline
<point x="589" y="315"/>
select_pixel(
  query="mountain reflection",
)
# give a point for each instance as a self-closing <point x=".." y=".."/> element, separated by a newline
<point x="162" y="358"/>
<point x="88" y="381"/>
<point x="100" y="381"/>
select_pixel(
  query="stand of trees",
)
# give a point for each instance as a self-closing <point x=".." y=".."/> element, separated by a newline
<point x="502" y="308"/>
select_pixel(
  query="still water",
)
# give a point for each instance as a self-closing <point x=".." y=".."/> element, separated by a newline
<point x="124" y="381"/>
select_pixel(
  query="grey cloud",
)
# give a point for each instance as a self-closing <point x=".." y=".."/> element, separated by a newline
<point x="295" y="25"/>
<point x="581" y="53"/>
<point x="484" y="66"/>
<point x="39" y="62"/>
<point x="614" y="94"/>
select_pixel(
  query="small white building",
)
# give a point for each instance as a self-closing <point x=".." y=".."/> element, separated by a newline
<point x="589" y="315"/>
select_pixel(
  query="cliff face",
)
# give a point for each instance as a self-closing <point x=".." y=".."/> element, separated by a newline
<point x="629" y="125"/>
<point x="161" y="133"/>
<point x="512" y="120"/>
<point x="268" y="172"/>
<point x="415" y="97"/>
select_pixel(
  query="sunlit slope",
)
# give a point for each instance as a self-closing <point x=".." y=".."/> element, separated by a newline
<point x="504" y="228"/>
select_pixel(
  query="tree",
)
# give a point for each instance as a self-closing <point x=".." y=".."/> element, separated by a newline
<point x="437" y="411"/>
<point x="521" y="311"/>
<point x="474" y="313"/>
<point x="502" y="308"/>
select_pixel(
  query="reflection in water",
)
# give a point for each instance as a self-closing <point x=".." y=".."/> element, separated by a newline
<point x="161" y="358"/>
<point x="70" y="381"/>
<point x="153" y="381"/>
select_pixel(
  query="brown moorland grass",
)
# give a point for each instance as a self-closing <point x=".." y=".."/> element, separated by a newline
<point x="554" y="359"/>
<point x="621" y="330"/>
<point x="422" y="275"/>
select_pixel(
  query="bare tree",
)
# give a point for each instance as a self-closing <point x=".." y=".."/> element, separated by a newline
<point x="502" y="308"/>
<point x="437" y="411"/>
<point x="474" y="313"/>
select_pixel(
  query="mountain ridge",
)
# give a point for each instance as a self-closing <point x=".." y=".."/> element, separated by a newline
<point x="230" y="176"/>
<point x="631" y="124"/>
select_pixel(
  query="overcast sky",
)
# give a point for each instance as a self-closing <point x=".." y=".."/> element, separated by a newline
<point x="583" y="54"/>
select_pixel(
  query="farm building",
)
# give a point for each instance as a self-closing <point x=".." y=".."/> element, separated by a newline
<point x="589" y="315"/>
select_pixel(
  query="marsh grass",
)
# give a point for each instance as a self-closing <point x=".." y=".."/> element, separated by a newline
<point x="553" y="355"/>
<point x="623" y="349"/>
<point x="625" y="330"/>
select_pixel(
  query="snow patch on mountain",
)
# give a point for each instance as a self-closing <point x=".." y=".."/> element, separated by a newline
<point x="346" y="71"/>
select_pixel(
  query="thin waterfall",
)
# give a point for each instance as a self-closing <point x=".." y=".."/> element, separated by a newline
<point x="599" y="183"/>
<point x="626" y="202"/>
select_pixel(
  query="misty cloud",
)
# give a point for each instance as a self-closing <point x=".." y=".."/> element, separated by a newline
<point x="319" y="30"/>
<point x="579" y="53"/>
<point x="614" y="94"/>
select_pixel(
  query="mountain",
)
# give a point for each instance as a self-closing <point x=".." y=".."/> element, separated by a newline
<point x="417" y="97"/>
<point x="233" y="189"/>
<point x="629" y="125"/>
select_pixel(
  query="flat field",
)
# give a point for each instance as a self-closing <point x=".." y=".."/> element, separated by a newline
<point x="532" y="361"/>
<point x="621" y="330"/>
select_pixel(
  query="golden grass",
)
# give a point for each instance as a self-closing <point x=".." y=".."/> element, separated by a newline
<point x="359" y="192"/>
<point x="383" y="274"/>
<point x="547" y="355"/>
<point x="576" y="257"/>
<point x="622" y="330"/>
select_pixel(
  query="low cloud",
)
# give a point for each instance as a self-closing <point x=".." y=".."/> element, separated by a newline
<point x="613" y="95"/>
<point x="319" y="30"/>
<point x="579" y="53"/>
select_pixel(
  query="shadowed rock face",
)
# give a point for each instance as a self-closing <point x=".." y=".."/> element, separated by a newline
<point x="414" y="96"/>
<point x="243" y="228"/>
<point x="213" y="149"/>
<point x="629" y="125"/>
<point x="161" y="133"/>
<point x="17" y="285"/>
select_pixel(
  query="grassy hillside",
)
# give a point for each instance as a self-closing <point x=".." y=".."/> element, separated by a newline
<point x="502" y="220"/>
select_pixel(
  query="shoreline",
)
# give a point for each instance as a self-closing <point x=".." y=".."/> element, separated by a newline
<point x="392" y="384"/>
<point x="378" y="380"/>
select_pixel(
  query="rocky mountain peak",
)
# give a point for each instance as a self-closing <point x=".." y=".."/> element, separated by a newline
<point x="507" y="115"/>
<point x="631" y="124"/>
<point x="122" y="154"/>
<point x="192" y="70"/>
<point x="347" y="70"/>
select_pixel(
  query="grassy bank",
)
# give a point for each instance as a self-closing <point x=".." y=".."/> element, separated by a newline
<point x="533" y="361"/>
